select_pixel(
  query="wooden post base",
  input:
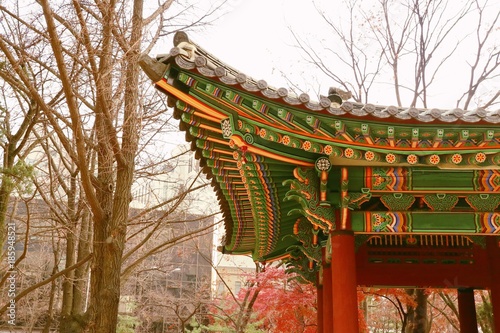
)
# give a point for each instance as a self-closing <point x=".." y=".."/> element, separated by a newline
<point x="467" y="310"/>
<point x="344" y="286"/>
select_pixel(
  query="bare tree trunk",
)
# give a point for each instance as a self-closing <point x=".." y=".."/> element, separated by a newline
<point x="247" y="312"/>
<point x="246" y="307"/>
<point x="5" y="191"/>
<point x="417" y="317"/>
<point x="69" y="278"/>
<point x="485" y="313"/>
<point x="75" y="319"/>
<point x="53" y="290"/>
<point x="75" y="281"/>
<point x="81" y="273"/>
<point x="115" y="197"/>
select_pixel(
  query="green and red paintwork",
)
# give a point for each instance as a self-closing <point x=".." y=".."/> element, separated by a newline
<point x="391" y="196"/>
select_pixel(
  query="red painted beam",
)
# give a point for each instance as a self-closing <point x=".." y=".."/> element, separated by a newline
<point x="439" y="275"/>
<point x="421" y="275"/>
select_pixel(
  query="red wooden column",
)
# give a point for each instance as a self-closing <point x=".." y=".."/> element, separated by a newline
<point x="327" y="297"/>
<point x="344" y="286"/>
<point x="319" y="300"/>
<point x="467" y="310"/>
<point x="493" y="248"/>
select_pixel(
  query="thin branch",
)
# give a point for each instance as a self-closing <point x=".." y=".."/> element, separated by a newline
<point x="46" y="281"/>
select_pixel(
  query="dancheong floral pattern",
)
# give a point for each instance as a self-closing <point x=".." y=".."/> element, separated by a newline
<point x="456" y="158"/>
<point x="390" y="158"/>
<point x="349" y="152"/>
<point x="434" y="159"/>
<point x="369" y="156"/>
<point x="412" y="159"/>
<point x="386" y="222"/>
<point x="480" y="157"/>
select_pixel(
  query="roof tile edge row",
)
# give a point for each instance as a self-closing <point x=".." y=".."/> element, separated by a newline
<point x="189" y="55"/>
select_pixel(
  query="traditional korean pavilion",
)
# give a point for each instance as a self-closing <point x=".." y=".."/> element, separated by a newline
<point x="347" y="194"/>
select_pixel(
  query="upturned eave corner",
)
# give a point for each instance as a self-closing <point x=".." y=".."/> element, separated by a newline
<point x="154" y="69"/>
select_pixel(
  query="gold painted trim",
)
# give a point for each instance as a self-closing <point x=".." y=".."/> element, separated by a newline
<point x="190" y="100"/>
<point x="240" y="142"/>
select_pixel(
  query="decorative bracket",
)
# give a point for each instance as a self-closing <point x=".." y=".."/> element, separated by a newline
<point x="227" y="128"/>
<point x="323" y="166"/>
<point x="305" y="189"/>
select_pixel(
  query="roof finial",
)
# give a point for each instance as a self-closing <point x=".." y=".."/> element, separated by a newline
<point x="179" y="37"/>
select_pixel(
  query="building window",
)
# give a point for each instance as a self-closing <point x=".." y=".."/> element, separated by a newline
<point x="237" y="287"/>
<point x="220" y="289"/>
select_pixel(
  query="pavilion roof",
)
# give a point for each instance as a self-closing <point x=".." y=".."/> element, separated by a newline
<point x="190" y="56"/>
<point x="250" y="138"/>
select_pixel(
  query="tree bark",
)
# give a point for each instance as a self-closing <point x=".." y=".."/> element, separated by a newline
<point x="417" y="317"/>
<point x="114" y="196"/>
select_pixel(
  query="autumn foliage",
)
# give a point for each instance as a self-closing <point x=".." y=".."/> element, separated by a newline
<point x="274" y="302"/>
<point x="285" y="305"/>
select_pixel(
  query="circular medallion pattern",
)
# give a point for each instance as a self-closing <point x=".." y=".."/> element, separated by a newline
<point x="323" y="164"/>
<point x="390" y="158"/>
<point x="369" y="156"/>
<point x="412" y="159"/>
<point x="480" y="157"/>
<point x="434" y="159"/>
<point x="456" y="158"/>
<point x="349" y="152"/>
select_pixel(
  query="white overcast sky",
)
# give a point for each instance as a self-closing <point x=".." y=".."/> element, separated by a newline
<point x="254" y="36"/>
